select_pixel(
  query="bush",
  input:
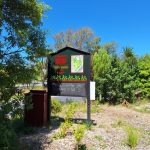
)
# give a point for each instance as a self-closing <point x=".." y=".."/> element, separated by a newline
<point x="8" y="138"/>
<point x="56" y="106"/>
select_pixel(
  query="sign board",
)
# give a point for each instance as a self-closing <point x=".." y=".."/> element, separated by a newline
<point x="71" y="89"/>
<point x="69" y="74"/>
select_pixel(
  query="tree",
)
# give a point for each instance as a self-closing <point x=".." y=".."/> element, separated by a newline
<point x="101" y="65"/>
<point x="22" y="42"/>
<point x="144" y="75"/>
<point x="83" y="39"/>
<point x="110" y="47"/>
<point x="20" y="28"/>
<point x="116" y="78"/>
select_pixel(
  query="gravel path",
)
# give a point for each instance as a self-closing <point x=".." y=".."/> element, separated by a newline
<point x="107" y="134"/>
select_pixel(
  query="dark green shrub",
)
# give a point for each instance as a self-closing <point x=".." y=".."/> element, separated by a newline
<point x="8" y="138"/>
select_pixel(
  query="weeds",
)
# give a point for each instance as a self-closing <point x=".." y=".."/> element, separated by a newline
<point x="78" y="134"/>
<point x="102" y="144"/>
<point x="119" y="123"/>
<point x="132" y="136"/>
<point x="141" y="106"/>
<point x="68" y="123"/>
<point x="56" y="106"/>
<point x="98" y="137"/>
<point x="88" y="125"/>
<point x="63" y="129"/>
<point x="95" y="108"/>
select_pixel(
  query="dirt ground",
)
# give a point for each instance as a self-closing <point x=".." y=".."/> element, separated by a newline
<point x="108" y="132"/>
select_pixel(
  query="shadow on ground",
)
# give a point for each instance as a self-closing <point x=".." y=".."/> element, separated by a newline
<point x="34" y="138"/>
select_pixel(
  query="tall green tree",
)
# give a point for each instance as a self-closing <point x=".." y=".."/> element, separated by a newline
<point x="144" y="75"/>
<point x="116" y="78"/>
<point x="22" y="42"/>
<point x="101" y="65"/>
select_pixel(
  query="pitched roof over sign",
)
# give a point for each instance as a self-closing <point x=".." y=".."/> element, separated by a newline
<point x="71" y="48"/>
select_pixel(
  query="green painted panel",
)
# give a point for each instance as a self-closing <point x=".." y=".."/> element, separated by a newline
<point x="69" y="66"/>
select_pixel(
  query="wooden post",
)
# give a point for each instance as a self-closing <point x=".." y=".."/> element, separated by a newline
<point x="49" y="94"/>
<point x="88" y="102"/>
<point x="88" y="94"/>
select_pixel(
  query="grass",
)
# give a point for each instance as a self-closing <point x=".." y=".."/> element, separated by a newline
<point x="142" y="106"/>
<point x="132" y="133"/>
<point x="132" y="136"/>
<point x="95" y="107"/>
<point x="144" y="109"/>
<point x="98" y="137"/>
<point x="120" y="123"/>
<point x="102" y="144"/>
<point x="88" y="125"/>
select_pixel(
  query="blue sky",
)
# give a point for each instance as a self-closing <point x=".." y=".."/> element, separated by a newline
<point x="126" y="22"/>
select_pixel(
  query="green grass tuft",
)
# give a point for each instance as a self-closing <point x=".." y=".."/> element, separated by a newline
<point x="132" y="136"/>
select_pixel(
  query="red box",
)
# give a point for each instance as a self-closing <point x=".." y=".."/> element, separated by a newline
<point x="37" y="116"/>
<point x="60" y="60"/>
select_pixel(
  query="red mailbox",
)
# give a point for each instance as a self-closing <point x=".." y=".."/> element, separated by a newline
<point x="37" y="116"/>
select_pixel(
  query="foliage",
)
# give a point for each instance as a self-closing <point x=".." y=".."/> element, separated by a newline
<point x="63" y="129"/>
<point x="100" y="69"/>
<point x="22" y="128"/>
<point x="116" y="78"/>
<point x="56" y="106"/>
<point x="22" y="42"/>
<point x="142" y="106"/>
<point x="20" y="22"/>
<point x="120" y="123"/>
<point x="88" y="125"/>
<point x="144" y="75"/>
<point x="8" y="138"/>
<point x="98" y="137"/>
<point x="83" y="39"/>
<point x="132" y="136"/>
<point x="20" y="34"/>
<point x="79" y="133"/>
<point x="110" y="47"/>
<point x="71" y="109"/>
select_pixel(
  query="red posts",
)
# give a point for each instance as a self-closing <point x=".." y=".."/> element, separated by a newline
<point x="37" y="115"/>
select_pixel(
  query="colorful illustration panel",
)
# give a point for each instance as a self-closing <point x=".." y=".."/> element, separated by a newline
<point x="77" y="64"/>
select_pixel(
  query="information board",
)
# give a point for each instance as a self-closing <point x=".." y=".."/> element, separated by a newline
<point x="69" y="89"/>
<point x="69" y="74"/>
